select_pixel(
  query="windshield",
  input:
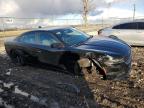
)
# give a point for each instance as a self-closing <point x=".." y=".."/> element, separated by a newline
<point x="71" y="36"/>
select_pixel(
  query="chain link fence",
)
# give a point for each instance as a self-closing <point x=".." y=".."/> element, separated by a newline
<point x="24" y="23"/>
<point x="19" y="24"/>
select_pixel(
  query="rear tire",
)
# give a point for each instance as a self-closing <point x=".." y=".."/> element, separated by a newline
<point x="17" y="59"/>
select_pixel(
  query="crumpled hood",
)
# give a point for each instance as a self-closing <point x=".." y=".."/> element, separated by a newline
<point x="106" y="45"/>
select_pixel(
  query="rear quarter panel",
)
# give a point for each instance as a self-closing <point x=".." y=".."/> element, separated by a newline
<point x="9" y="45"/>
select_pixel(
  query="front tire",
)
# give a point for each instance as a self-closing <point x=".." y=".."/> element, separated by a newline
<point x="77" y="69"/>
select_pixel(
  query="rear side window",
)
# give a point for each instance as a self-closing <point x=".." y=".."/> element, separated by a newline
<point x="46" y="39"/>
<point x="133" y="25"/>
<point x="28" y="38"/>
<point x="141" y="25"/>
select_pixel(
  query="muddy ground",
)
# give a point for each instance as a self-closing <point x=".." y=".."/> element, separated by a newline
<point x="35" y="86"/>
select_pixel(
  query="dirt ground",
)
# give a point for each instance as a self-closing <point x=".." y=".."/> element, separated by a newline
<point x="35" y="86"/>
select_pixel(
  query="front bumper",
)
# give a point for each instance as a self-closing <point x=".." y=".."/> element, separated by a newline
<point x="120" y="71"/>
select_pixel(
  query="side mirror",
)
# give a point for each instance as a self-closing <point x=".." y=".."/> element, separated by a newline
<point x="113" y="37"/>
<point x="57" y="45"/>
<point x="91" y="35"/>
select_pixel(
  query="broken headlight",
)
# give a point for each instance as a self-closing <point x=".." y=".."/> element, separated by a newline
<point x="109" y="60"/>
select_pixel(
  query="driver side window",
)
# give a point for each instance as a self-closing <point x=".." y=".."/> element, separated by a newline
<point x="46" y="39"/>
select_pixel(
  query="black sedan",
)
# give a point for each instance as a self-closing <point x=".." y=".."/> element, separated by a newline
<point x="72" y="50"/>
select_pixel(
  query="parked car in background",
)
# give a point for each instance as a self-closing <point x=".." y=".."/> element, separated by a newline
<point x="72" y="50"/>
<point x="130" y="32"/>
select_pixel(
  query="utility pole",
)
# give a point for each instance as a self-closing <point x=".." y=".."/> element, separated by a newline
<point x="102" y="21"/>
<point x="134" y="9"/>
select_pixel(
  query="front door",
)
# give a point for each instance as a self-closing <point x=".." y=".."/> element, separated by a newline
<point x="48" y="54"/>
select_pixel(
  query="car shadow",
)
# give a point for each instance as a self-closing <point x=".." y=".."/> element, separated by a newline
<point x="79" y="85"/>
<point x="53" y="83"/>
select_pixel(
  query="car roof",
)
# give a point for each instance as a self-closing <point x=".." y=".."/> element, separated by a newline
<point x="52" y="28"/>
<point x="47" y="29"/>
<point x="127" y="22"/>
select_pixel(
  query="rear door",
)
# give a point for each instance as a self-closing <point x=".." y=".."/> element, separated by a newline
<point x="127" y="32"/>
<point x="29" y="45"/>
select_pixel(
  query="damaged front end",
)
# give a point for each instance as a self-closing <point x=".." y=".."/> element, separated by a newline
<point x="111" y="67"/>
<point x="116" y="67"/>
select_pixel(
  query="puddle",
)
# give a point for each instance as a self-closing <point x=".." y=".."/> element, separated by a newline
<point x="4" y="104"/>
<point x="8" y="72"/>
<point x="32" y="97"/>
<point x="38" y="100"/>
<point x="5" y="85"/>
<point x="41" y="101"/>
<point x="8" y="85"/>
<point x="18" y="91"/>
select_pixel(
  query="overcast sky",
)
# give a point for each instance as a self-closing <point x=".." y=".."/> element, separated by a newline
<point x="69" y="8"/>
